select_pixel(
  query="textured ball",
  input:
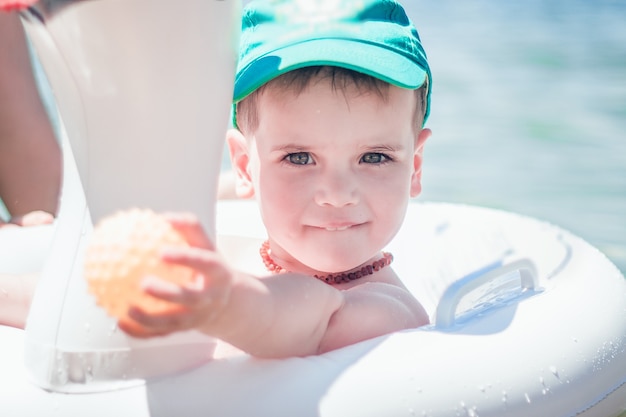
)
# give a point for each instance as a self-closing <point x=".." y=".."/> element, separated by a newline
<point x="124" y="249"/>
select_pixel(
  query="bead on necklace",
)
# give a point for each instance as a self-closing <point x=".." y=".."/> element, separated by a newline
<point x="336" y="278"/>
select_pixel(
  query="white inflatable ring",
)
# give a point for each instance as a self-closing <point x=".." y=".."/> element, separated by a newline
<point x="555" y="350"/>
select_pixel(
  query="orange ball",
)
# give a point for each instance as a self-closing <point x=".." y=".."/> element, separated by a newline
<point x="124" y="249"/>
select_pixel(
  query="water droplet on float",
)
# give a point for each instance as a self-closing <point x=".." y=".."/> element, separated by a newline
<point x="556" y="374"/>
<point x="76" y="374"/>
<point x="89" y="374"/>
<point x="545" y="388"/>
<point x="62" y="376"/>
<point x="113" y="329"/>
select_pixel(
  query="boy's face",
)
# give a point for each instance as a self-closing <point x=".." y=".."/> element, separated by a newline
<point x="332" y="171"/>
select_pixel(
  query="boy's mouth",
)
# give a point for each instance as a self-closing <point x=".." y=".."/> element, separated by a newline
<point x="337" y="229"/>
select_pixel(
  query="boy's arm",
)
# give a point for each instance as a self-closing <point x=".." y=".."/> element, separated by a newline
<point x="372" y="309"/>
<point x="296" y="315"/>
<point x="277" y="316"/>
<point x="288" y="314"/>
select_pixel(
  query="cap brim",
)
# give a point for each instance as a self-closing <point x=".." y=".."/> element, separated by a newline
<point x="380" y="62"/>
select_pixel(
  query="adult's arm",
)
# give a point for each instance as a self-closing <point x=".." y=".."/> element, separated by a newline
<point x="30" y="157"/>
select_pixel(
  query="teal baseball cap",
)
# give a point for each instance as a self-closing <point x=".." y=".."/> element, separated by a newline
<point x="374" y="37"/>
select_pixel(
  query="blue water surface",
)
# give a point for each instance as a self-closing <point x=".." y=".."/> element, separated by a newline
<point x="529" y="111"/>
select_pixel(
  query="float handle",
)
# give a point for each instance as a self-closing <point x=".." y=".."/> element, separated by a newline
<point x="446" y="310"/>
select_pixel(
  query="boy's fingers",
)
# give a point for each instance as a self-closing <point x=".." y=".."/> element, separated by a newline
<point x="156" y="321"/>
<point x="206" y="262"/>
<point x="145" y="324"/>
<point x="135" y="329"/>
<point x="189" y="296"/>
<point x="211" y="282"/>
<point x="160" y="288"/>
<point x="190" y="227"/>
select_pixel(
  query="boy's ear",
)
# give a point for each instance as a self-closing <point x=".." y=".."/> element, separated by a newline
<point x="416" y="178"/>
<point x="239" y="158"/>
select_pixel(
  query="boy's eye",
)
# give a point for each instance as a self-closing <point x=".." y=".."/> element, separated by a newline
<point x="299" y="158"/>
<point x="374" y="158"/>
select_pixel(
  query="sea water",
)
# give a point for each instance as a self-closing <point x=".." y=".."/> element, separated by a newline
<point x="529" y="111"/>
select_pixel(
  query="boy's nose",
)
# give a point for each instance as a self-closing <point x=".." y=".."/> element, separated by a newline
<point x="336" y="189"/>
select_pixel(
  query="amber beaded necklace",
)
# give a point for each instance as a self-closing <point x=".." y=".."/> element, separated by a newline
<point x="340" y="277"/>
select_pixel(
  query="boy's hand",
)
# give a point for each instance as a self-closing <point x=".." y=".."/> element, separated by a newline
<point x="200" y="302"/>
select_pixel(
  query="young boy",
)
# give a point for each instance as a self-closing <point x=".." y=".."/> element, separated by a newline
<point x="330" y="104"/>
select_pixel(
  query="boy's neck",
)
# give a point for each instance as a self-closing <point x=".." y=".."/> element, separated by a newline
<point x="333" y="278"/>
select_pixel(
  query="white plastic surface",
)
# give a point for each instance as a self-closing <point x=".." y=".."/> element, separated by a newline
<point x="561" y="352"/>
<point x="447" y="308"/>
<point x="144" y="90"/>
